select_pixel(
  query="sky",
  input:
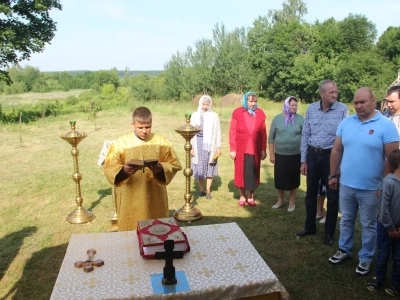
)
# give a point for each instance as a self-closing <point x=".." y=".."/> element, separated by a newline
<point x="144" y="34"/>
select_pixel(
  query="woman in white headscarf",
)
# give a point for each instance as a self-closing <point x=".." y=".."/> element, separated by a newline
<point x="206" y="145"/>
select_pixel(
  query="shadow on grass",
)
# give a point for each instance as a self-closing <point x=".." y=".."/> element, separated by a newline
<point x="266" y="192"/>
<point x="36" y="281"/>
<point x="215" y="185"/>
<point x="9" y="247"/>
<point x="102" y="194"/>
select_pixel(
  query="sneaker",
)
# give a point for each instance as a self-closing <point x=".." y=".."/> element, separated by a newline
<point x="392" y="291"/>
<point x="363" y="268"/>
<point x="338" y="257"/>
<point x="322" y="221"/>
<point x="374" y="285"/>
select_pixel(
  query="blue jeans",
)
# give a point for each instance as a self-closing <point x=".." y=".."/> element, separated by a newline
<point x="318" y="169"/>
<point x="386" y="245"/>
<point x="350" y="200"/>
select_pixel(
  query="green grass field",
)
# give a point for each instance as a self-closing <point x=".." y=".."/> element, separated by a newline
<point x="38" y="193"/>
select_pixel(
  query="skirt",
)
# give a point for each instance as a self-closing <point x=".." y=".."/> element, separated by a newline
<point x="250" y="175"/>
<point x="204" y="169"/>
<point x="287" y="172"/>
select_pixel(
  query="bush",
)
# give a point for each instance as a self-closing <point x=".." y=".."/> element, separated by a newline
<point x="107" y="90"/>
<point x="71" y="100"/>
<point x="40" y="87"/>
<point x="15" y="88"/>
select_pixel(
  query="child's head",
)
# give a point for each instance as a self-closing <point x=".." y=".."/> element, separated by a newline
<point x="394" y="159"/>
<point x="142" y="121"/>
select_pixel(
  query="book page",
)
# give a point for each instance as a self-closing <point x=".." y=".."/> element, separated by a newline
<point x="160" y="248"/>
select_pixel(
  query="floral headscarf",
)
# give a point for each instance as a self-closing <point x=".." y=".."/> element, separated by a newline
<point x="244" y="103"/>
<point x="289" y="117"/>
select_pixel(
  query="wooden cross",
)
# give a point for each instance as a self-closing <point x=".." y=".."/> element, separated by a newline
<point x="89" y="263"/>
<point x="169" y="255"/>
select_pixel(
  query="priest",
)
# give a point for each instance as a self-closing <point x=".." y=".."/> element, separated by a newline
<point x="141" y="191"/>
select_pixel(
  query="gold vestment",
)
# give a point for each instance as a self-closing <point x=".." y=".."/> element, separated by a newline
<point x="141" y="196"/>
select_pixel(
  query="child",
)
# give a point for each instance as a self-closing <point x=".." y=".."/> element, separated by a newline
<point x="388" y="235"/>
<point x="141" y="193"/>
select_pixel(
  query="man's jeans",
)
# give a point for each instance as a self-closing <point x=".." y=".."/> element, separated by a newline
<point x="318" y="169"/>
<point x="350" y="200"/>
<point x="386" y="245"/>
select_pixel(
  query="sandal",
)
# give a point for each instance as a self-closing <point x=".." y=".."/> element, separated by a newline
<point x="251" y="202"/>
<point x="277" y="205"/>
<point x="392" y="291"/>
<point x="242" y="201"/>
<point x="374" y="285"/>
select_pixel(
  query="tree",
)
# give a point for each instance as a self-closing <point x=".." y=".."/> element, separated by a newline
<point x="305" y="75"/>
<point x="292" y="10"/>
<point x="273" y="52"/>
<point x="328" y="39"/>
<point x="360" y="69"/>
<point x="202" y="61"/>
<point x="25" y="28"/>
<point x="173" y="72"/>
<point x="358" y="33"/>
<point x="103" y="77"/>
<point x="389" y="45"/>
<point x="232" y="68"/>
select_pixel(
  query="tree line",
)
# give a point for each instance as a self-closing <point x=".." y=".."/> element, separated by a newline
<point x="279" y="55"/>
<point x="283" y="55"/>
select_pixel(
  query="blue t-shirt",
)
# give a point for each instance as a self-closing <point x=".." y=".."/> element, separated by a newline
<point x="363" y="158"/>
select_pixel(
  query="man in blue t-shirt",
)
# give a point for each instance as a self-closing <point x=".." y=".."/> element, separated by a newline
<point x="363" y="140"/>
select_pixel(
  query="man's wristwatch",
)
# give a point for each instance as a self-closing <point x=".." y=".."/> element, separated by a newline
<point x="331" y="176"/>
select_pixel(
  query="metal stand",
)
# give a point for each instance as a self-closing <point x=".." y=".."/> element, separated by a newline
<point x="79" y="215"/>
<point x="188" y="212"/>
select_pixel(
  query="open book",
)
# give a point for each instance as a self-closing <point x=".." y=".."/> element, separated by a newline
<point x="142" y="163"/>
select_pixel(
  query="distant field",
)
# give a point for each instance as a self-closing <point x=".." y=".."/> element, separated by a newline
<point x="32" y="98"/>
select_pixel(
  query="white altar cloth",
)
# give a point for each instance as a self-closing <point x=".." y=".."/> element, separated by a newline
<point x="222" y="264"/>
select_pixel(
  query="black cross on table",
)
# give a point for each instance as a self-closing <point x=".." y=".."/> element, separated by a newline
<point x="169" y="255"/>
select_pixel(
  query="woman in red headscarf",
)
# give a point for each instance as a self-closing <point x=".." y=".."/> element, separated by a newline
<point x="248" y="142"/>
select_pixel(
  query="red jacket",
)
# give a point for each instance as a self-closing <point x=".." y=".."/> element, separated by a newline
<point x="239" y="136"/>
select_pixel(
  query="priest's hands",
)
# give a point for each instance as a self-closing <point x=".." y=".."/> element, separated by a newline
<point x="158" y="172"/>
<point x="156" y="169"/>
<point x="130" y="169"/>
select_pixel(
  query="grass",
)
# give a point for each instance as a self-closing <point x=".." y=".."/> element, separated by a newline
<point x="32" y="98"/>
<point x="37" y="194"/>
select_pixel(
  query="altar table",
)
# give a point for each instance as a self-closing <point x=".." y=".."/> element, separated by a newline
<point x="221" y="264"/>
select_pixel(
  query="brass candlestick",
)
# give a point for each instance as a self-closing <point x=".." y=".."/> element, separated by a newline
<point x="188" y="212"/>
<point x="79" y="215"/>
<point x="114" y="218"/>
